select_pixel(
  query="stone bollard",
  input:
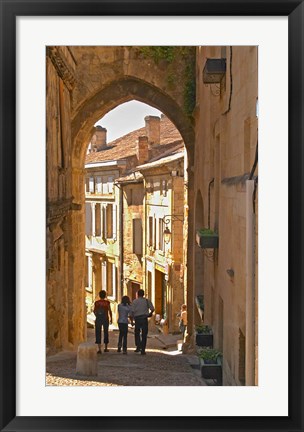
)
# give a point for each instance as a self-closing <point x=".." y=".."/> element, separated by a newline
<point x="86" y="359"/>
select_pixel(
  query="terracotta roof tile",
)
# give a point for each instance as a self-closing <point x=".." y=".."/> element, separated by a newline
<point x="125" y="146"/>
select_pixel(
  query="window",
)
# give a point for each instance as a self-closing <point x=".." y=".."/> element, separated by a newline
<point x="88" y="224"/>
<point x="109" y="220"/>
<point x="91" y="185"/>
<point x="151" y="230"/>
<point x="137" y="236"/>
<point x="110" y="278"/>
<point x="98" y="185"/>
<point x="97" y="220"/>
<point x="105" y="186"/>
<point x="111" y="184"/>
<point x="164" y="187"/>
<point x="109" y="223"/>
<point x="160" y="234"/>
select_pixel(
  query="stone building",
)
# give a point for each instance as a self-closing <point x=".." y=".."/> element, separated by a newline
<point x="225" y="200"/>
<point x="118" y="206"/>
<point x="164" y="182"/>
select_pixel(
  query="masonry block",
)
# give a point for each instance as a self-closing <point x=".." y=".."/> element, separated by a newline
<point x="86" y="359"/>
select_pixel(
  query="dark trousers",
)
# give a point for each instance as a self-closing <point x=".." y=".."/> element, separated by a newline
<point x="123" y="336"/>
<point x="99" y="323"/>
<point x="141" y="332"/>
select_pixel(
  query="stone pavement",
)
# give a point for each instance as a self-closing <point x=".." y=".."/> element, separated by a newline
<point x="163" y="365"/>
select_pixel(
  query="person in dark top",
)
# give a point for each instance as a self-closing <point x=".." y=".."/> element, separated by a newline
<point x="141" y="310"/>
<point x="103" y="313"/>
<point x="124" y="309"/>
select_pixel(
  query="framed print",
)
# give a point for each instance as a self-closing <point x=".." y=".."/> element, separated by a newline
<point x="180" y="218"/>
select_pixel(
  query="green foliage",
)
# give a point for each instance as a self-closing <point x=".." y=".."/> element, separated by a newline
<point x="203" y="329"/>
<point x="158" y="53"/>
<point x="190" y="87"/>
<point x="206" y="232"/>
<point x="171" y="54"/>
<point x="210" y="354"/>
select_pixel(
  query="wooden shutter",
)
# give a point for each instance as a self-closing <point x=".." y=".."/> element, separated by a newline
<point x="114" y="220"/>
<point x="137" y="236"/>
<point x="104" y="275"/>
<point x="97" y="220"/>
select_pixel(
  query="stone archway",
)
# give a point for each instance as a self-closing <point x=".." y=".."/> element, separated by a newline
<point x="83" y="84"/>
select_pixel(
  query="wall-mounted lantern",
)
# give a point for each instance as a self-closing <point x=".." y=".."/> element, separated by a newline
<point x="166" y="220"/>
<point x="214" y="70"/>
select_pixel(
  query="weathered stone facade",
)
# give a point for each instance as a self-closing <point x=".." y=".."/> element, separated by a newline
<point x="142" y="177"/>
<point x="83" y="84"/>
<point x="225" y="151"/>
<point x="164" y="260"/>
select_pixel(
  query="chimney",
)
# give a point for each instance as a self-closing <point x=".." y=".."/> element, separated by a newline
<point x="153" y="129"/>
<point x="99" y="138"/>
<point x="142" y="150"/>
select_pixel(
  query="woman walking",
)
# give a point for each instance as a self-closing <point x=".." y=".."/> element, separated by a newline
<point x="103" y="313"/>
<point x="123" y="319"/>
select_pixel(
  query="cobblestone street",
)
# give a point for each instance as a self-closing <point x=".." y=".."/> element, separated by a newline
<point x="163" y="365"/>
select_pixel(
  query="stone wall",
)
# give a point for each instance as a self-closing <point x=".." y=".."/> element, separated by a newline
<point x="83" y="84"/>
<point x="226" y="139"/>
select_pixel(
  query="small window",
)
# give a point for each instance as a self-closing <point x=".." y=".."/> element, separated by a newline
<point x="164" y="187"/>
<point x="109" y="221"/>
<point x="137" y="236"/>
<point x="105" y="186"/>
<point x="98" y="185"/>
<point x="110" y="184"/>
<point x="97" y="220"/>
<point x="91" y="185"/>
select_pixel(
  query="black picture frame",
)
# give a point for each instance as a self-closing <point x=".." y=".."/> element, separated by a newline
<point x="10" y="9"/>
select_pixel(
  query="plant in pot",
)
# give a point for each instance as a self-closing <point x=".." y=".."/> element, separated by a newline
<point x="211" y="364"/>
<point x="204" y="335"/>
<point x="207" y="238"/>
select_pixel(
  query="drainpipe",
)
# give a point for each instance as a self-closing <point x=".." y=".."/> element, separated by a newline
<point x="250" y="275"/>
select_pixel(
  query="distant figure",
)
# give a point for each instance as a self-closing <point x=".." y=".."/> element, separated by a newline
<point x="124" y="310"/>
<point x="183" y="320"/>
<point x="103" y="313"/>
<point x="141" y="309"/>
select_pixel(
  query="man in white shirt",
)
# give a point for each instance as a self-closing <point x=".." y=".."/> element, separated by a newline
<point x="141" y="309"/>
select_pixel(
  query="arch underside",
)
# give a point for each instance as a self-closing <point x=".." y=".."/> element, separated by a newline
<point x="117" y="93"/>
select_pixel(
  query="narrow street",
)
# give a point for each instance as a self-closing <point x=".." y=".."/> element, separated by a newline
<point x="163" y="365"/>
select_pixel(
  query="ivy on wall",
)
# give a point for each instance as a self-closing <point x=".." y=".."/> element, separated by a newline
<point x="176" y="56"/>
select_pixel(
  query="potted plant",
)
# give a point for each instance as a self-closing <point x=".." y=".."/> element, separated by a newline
<point x="204" y="335"/>
<point x="211" y="364"/>
<point x="207" y="238"/>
